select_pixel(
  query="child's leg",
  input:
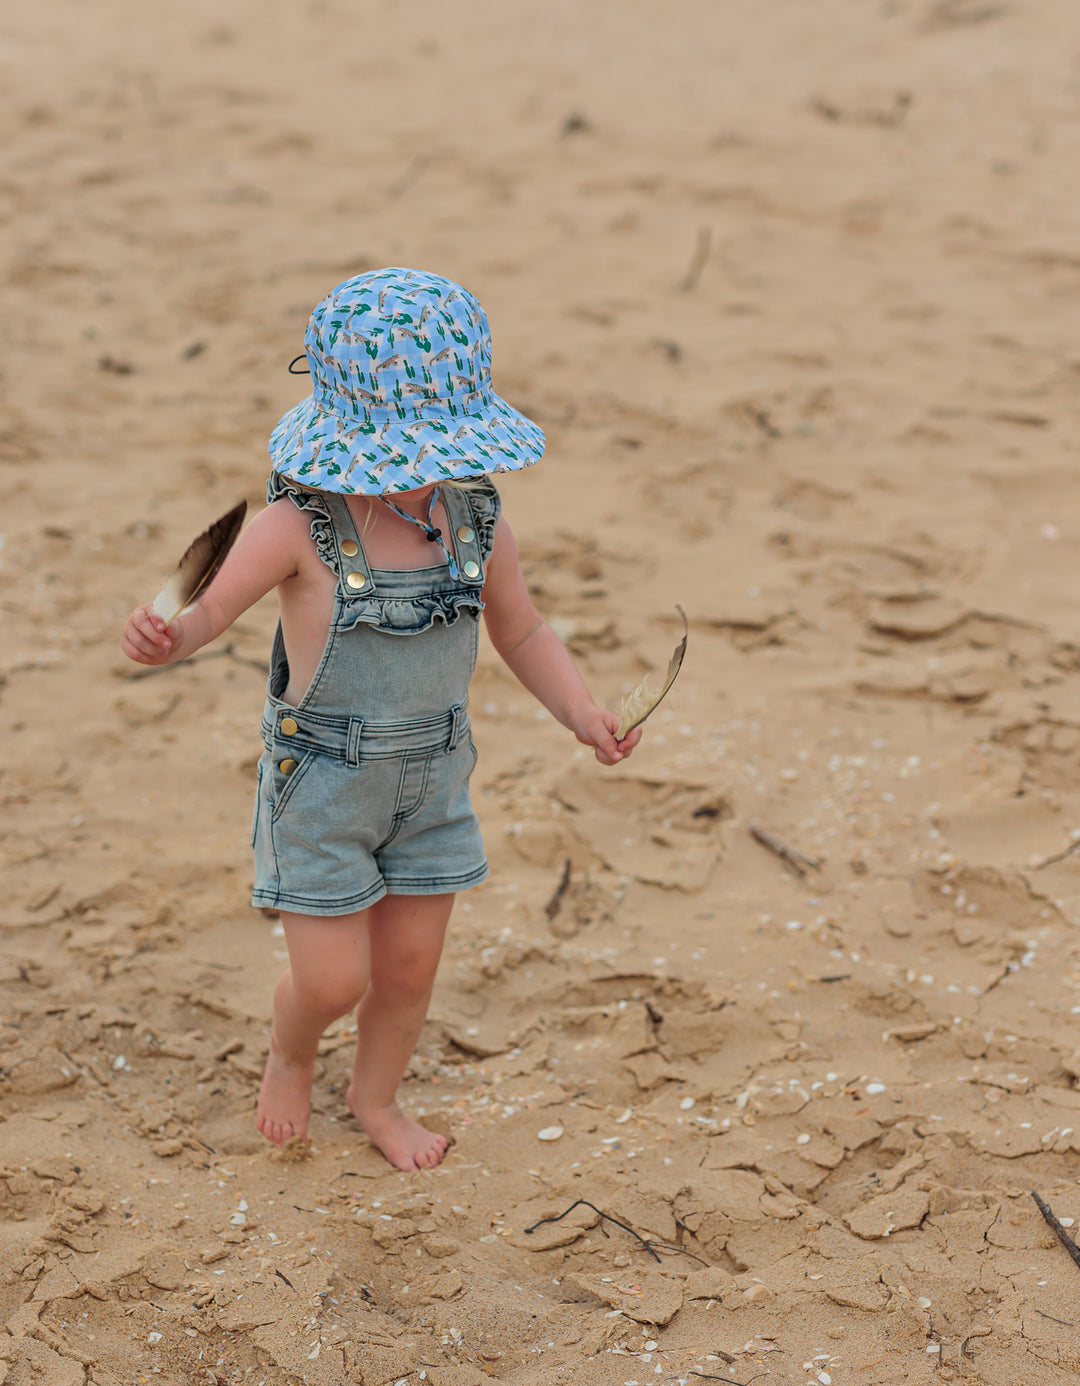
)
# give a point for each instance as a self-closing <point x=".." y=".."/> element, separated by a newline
<point x="329" y="966"/>
<point x="406" y="935"/>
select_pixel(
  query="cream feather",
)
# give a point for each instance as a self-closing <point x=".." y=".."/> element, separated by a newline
<point x="199" y="564"/>
<point x="636" y="706"/>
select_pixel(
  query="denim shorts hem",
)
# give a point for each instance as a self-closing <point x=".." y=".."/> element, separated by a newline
<point x="435" y="885"/>
<point x="401" y="885"/>
<point x="312" y="904"/>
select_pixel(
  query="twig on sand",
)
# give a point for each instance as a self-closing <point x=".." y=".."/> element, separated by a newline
<point x="551" y="909"/>
<point x="1058" y="1230"/>
<point x="790" y="856"/>
<point x="646" y="1243"/>
<point x="584" y="1203"/>
<point x="707" y="1376"/>
<point x="1064" y="1322"/>
<point x="1058" y="856"/>
<point x="698" y="260"/>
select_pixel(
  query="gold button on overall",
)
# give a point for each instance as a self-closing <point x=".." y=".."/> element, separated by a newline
<point x="355" y="580"/>
<point x="350" y="548"/>
<point x="289" y="727"/>
<point x="287" y="766"/>
<point x="465" y="534"/>
<point x="471" y="569"/>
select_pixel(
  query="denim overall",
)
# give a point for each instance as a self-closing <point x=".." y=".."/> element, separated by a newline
<point x="363" y="788"/>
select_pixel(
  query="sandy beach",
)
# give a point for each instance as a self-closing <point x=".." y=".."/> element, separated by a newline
<point x="784" y="1011"/>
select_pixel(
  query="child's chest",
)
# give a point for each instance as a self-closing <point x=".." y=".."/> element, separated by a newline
<point x="391" y="542"/>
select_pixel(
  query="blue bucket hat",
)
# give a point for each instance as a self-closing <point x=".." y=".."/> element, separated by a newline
<point x="401" y="395"/>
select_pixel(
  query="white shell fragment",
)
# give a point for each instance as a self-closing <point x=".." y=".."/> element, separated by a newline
<point x="550" y="1133"/>
<point x="238" y="1219"/>
<point x="686" y="1104"/>
<point x="874" y="1088"/>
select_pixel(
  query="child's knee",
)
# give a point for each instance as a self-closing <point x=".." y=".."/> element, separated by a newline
<point x="330" y="996"/>
<point x="407" y="981"/>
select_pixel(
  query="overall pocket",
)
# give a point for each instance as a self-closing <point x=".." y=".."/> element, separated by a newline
<point x="284" y="782"/>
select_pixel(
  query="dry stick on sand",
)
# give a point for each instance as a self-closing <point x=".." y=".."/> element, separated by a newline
<point x="698" y="260"/>
<point x="789" y="855"/>
<point x="645" y="1243"/>
<point x="1059" y="1231"/>
<point x="584" y="1203"/>
<point x="706" y="1376"/>
<point x="551" y="909"/>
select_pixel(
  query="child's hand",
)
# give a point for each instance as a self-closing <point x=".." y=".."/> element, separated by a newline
<point x="596" y="727"/>
<point x="146" y="638"/>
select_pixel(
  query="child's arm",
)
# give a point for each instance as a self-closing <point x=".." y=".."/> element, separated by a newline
<point x="264" y="556"/>
<point x="539" y="658"/>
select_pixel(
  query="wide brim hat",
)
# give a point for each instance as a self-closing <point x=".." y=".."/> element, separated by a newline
<point x="400" y="365"/>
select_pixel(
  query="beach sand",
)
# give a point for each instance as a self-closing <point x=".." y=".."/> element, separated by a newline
<point x="793" y="290"/>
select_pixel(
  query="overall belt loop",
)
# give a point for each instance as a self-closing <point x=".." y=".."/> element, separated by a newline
<point x="352" y="744"/>
<point x="457" y="716"/>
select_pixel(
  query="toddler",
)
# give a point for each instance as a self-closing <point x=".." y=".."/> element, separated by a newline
<point x="383" y="536"/>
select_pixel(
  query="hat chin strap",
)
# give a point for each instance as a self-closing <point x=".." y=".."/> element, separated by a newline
<point x="431" y="534"/>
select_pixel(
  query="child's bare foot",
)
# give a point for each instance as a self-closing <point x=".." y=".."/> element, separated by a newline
<point x="284" y="1098"/>
<point x="404" y="1142"/>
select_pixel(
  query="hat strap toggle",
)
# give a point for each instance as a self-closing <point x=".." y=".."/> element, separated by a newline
<point x="431" y="534"/>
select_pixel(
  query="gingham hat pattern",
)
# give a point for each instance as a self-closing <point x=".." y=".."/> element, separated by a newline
<point x="401" y="395"/>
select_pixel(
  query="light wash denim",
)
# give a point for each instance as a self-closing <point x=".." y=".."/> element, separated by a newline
<point x="364" y="784"/>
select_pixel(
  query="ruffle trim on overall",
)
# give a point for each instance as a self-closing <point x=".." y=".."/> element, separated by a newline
<point x="279" y="487"/>
<point x="394" y="612"/>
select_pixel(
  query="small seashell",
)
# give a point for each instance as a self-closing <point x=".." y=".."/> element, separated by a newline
<point x="651" y="1345"/>
<point x="1066" y="1222"/>
<point x="550" y="1133"/>
<point x="625" y="1116"/>
<point x="153" y="1337"/>
<point x="874" y="1088"/>
<point x="238" y="1219"/>
<point x="804" y="1139"/>
<point x="923" y="1302"/>
<point x="686" y="1104"/>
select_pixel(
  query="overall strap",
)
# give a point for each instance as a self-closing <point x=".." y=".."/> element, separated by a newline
<point x="466" y="540"/>
<point x="354" y="573"/>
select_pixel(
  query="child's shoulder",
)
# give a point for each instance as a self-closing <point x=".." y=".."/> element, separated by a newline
<point x="281" y="524"/>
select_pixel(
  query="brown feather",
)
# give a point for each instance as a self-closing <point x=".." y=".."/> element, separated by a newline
<point x="636" y="706"/>
<point x="199" y="564"/>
